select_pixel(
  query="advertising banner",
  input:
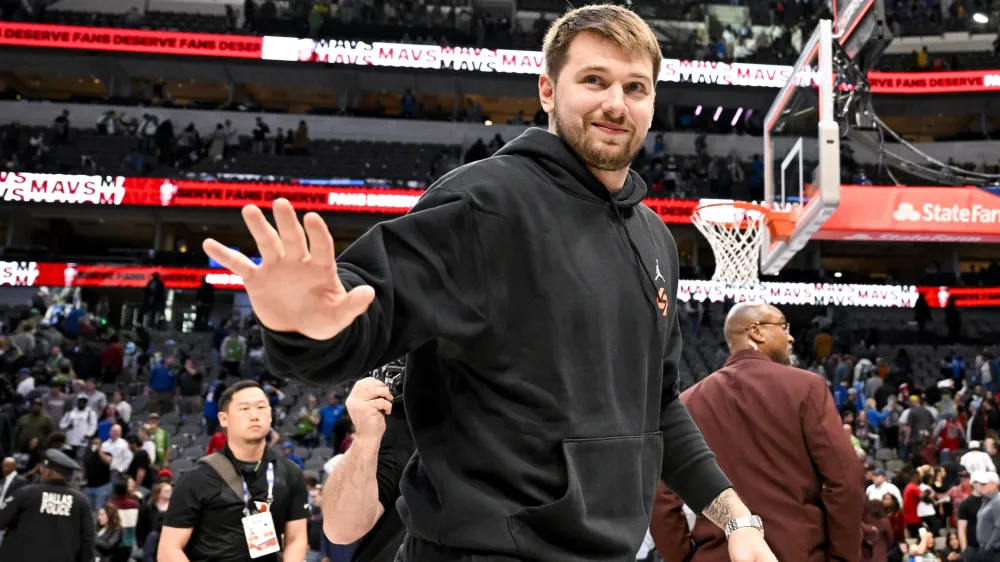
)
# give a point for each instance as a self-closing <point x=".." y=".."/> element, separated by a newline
<point x="158" y="192"/>
<point x="866" y="213"/>
<point x="436" y="57"/>
<point x="130" y="40"/>
<point x="39" y="274"/>
<point x="900" y="83"/>
<point x="914" y="214"/>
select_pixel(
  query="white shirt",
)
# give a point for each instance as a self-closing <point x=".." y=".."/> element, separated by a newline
<point x="876" y="492"/>
<point x="124" y="410"/>
<point x="121" y="456"/>
<point x="150" y="449"/>
<point x="646" y="547"/>
<point x="7" y="481"/>
<point x="26" y="386"/>
<point x="78" y="425"/>
<point x="924" y="508"/>
<point x="977" y="460"/>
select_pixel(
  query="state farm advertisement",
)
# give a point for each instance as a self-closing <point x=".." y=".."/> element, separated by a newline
<point x="435" y="57"/>
<point x="129" y="40"/>
<point x="914" y="214"/>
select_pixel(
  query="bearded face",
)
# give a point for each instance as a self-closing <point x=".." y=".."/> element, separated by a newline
<point x="602" y="102"/>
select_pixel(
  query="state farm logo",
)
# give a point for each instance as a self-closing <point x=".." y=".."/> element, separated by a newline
<point x="906" y="212"/>
<point x="18" y="273"/>
<point x="937" y="213"/>
<point x="60" y="188"/>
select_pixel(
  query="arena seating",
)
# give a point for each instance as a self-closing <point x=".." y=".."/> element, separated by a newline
<point x="166" y="21"/>
<point x="674" y="44"/>
<point x="392" y="161"/>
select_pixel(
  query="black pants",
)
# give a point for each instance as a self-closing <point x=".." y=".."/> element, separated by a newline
<point x="416" y="550"/>
<point x="988" y="556"/>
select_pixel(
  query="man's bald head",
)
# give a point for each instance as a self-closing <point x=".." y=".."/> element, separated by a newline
<point x="9" y="465"/>
<point x="739" y="318"/>
<point x="760" y="327"/>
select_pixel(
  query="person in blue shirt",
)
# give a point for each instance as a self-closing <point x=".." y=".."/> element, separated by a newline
<point x="211" y="410"/>
<point x="163" y="385"/>
<point x="72" y="324"/>
<point x="329" y="415"/>
<point x="288" y="449"/>
<point x="104" y="425"/>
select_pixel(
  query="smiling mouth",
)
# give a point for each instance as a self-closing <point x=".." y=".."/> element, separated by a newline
<point x="610" y="128"/>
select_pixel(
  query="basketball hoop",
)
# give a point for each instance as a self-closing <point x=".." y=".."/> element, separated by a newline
<point x="736" y="231"/>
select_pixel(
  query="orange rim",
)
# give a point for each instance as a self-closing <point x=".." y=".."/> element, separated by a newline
<point x="779" y="223"/>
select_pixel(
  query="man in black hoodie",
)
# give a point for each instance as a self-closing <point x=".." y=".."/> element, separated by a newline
<point x="533" y="294"/>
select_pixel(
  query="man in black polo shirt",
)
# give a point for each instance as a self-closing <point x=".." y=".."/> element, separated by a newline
<point x="209" y="521"/>
<point x="382" y="446"/>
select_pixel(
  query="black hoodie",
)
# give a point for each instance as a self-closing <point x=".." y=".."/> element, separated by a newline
<point x="541" y="383"/>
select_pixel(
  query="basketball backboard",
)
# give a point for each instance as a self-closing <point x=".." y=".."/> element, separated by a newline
<point x="827" y="81"/>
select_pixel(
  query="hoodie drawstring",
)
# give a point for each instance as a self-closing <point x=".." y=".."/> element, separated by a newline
<point x="644" y="277"/>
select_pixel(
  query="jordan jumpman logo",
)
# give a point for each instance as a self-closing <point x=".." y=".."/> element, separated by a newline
<point x="658" y="274"/>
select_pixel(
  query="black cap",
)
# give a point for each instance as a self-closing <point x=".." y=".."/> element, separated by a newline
<point x="36" y="400"/>
<point x="59" y="461"/>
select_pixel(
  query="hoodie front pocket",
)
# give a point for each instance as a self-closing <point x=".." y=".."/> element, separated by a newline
<point x="605" y="509"/>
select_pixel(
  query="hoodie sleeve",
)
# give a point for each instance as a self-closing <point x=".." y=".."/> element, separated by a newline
<point x="689" y="466"/>
<point x="429" y="275"/>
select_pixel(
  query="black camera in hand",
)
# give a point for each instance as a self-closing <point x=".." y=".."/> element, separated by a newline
<point x="391" y="374"/>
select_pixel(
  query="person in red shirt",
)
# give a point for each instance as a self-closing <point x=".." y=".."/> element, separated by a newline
<point x="958" y="493"/>
<point x="217" y="442"/>
<point x="895" y="514"/>
<point x="911" y="498"/>
<point x="950" y="437"/>
<point x="112" y="360"/>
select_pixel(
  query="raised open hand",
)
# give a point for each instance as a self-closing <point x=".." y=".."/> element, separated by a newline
<point x="295" y="288"/>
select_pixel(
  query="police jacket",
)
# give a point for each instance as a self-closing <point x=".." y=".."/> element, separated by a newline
<point x="34" y="515"/>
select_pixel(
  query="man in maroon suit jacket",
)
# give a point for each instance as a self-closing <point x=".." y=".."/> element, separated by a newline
<point x="776" y="433"/>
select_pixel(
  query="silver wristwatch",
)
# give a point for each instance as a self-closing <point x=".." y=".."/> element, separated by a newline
<point x="743" y="522"/>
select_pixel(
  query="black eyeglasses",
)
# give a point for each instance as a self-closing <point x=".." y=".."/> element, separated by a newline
<point x="784" y="325"/>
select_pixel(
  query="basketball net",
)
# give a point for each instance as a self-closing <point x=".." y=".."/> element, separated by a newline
<point x="735" y="232"/>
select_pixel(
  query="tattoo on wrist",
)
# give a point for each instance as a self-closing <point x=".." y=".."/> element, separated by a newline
<point x="720" y="511"/>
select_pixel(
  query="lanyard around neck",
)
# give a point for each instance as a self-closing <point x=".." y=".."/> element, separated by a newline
<point x="270" y="490"/>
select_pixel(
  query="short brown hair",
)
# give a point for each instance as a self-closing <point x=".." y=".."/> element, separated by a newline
<point x="621" y="25"/>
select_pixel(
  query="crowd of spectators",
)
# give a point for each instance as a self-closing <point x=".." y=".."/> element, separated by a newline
<point x="136" y="410"/>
